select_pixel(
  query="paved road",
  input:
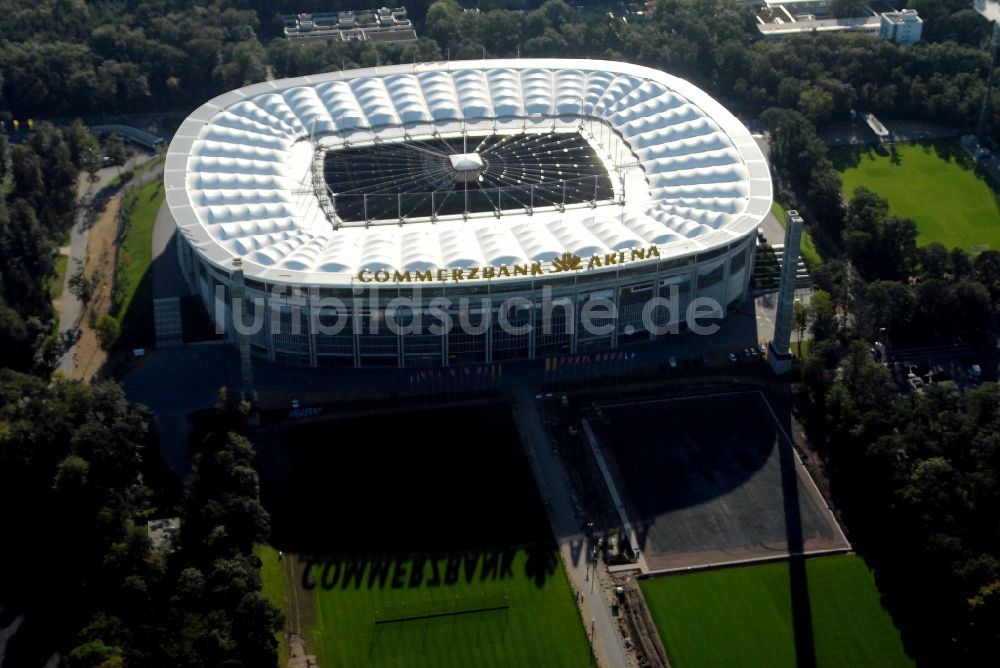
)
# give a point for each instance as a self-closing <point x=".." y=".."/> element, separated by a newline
<point x="773" y="230"/>
<point x="69" y="314"/>
<point x="574" y="547"/>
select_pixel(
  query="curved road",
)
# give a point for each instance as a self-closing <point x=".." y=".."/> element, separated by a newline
<point x="72" y="308"/>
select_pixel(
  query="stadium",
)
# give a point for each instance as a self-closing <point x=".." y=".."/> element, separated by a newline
<point x="495" y="193"/>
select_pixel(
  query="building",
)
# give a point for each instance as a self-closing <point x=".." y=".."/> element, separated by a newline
<point x="356" y="210"/>
<point x="779" y="27"/>
<point x="800" y="7"/>
<point x="781" y="18"/>
<point x="902" y="27"/>
<point x="383" y="25"/>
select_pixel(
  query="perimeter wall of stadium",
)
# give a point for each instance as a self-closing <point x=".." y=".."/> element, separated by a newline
<point x="541" y="316"/>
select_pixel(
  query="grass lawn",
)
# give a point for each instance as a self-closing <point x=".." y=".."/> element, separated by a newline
<point x="936" y="184"/>
<point x="807" y="247"/>
<point x="58" y="280"/>
<point x="275" y="588"/>
<point x="742" y="616"/>
<point x="440" y="613"/>
<point x="134" y="299"/>
<point x="418" y="539"/>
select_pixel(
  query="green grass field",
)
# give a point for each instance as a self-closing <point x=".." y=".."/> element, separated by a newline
<point x="936" y="184"/>
<point x="58" y="279"/>
<point x="807" y="247"/>
<point x="134" y="299"/>
<point x="275" y="587"/>
<point x="428" y="617"/>
<point x="430" y="551"/>
<point x="742" y="616"/>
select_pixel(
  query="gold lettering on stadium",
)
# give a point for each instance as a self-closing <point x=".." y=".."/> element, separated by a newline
<point x="567" y="262"/>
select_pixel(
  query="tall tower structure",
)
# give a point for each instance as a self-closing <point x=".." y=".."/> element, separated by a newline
<point x="779" y="356"/>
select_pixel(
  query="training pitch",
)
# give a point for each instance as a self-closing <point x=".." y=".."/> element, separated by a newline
<point x="937" y="184"/>
<point x="418" y="539"/>
<point x="743" y="616"/>
<point x="712" y="479"/>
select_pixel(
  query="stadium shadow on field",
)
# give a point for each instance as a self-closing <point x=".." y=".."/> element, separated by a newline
<point x="713" y="480"/>
<point x="718" y="482"/>
<point x="420" y="499"/>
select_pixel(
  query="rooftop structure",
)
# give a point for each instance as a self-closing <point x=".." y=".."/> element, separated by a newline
<point x="902" y="27"/>
<point x="781" y="27"/>
<point x="383" y="24"/>
<point x="800" y="6"/>
<point x="241" y="180"/>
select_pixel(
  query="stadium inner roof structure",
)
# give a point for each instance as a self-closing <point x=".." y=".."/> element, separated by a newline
<point x="313" y="179"/>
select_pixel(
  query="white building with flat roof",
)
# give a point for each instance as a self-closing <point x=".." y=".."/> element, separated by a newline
<point x="902" y="27"/>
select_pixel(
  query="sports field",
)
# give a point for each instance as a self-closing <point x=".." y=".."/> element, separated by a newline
<point x="936" y="184"/>
<point x="418" y="539"/>
<point x="717" y="481"/>
<point x="742" y="616"/>
<point x="463" y="609"/>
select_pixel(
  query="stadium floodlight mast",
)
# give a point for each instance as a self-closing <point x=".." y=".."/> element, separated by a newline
<point x="989" y="9"/>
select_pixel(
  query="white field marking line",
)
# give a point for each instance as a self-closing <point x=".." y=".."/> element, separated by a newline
<point x="717" y="565"/>
<point x="685" y="398"/>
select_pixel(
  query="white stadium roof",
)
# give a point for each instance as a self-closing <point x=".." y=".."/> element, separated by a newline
<point x="239" y="171"/>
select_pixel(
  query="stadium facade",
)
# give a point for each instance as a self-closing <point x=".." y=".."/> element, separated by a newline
<point x="495" y="191"/>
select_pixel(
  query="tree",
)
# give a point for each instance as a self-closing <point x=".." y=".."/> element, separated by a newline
<point x="843" y="9"/>
<point x="4" y="164"/>
<point x="800" y="319"/>
<point x="80" y="286"/>
<point x="970" y="308"/>
<point x="816" y="104"/>
<point x="71" y="474"/>
<point x="443" y="22"/>
<point x="822" y="317"/>
<point x="987" y="270"/>
<point x="66" y="454"/>
<point x="15" y="340"/>
<point x="114" y="148"/>
<point x="254" y="625"/>
<point x="888" y="304"/>
<point x="933" y="260"/>
<point x="27" y="253"/>
<point x="108" y="330"/>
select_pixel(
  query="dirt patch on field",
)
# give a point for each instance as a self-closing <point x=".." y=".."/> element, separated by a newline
<point x="301" y="614"/>
<point x="100" y="267"/>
